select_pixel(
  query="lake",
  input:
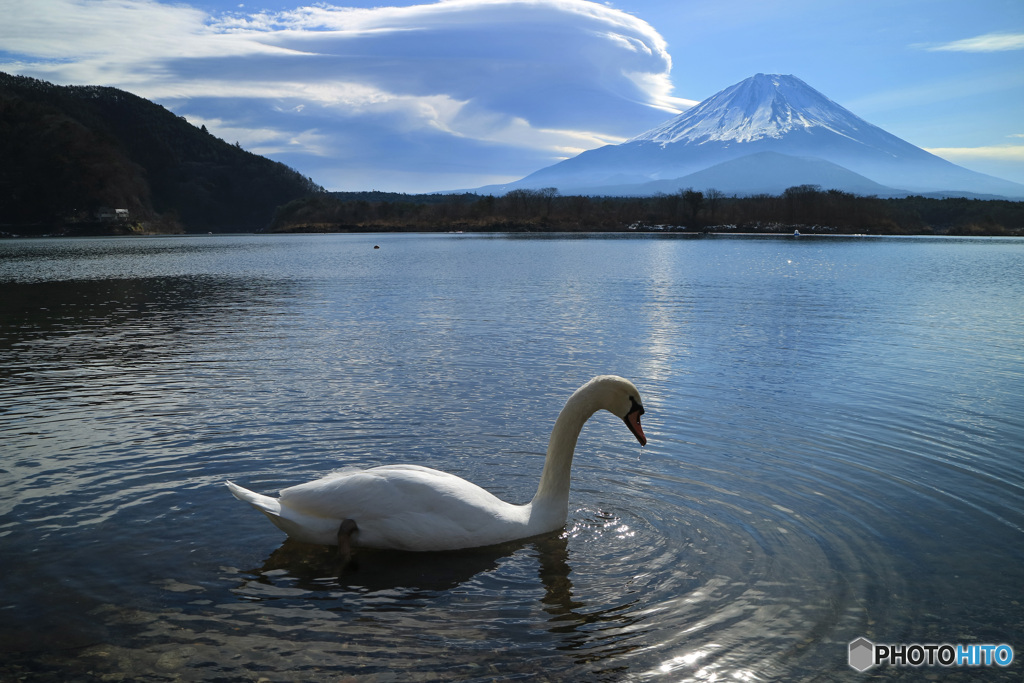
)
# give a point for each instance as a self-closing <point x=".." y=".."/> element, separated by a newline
<point x="836" y="451"/>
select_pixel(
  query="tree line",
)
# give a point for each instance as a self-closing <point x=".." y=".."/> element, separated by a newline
<point x="806" y="207"/>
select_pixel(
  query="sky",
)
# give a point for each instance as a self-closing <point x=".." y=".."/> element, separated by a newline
<point x="422" y="96"/>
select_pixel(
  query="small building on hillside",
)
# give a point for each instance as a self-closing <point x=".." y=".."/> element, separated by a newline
<point x="107" y="214"/>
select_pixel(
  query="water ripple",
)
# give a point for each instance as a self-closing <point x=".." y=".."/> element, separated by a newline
<point x="832" y="454"/>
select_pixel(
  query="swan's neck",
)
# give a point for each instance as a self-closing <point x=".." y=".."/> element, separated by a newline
<point x="553" y="492"/>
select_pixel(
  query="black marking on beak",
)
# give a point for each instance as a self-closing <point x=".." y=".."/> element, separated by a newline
<point x="632" y="421"/>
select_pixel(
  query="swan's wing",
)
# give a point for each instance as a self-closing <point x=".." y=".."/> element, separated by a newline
<point x="380" y="491"/>
<point x="406" y="506"/>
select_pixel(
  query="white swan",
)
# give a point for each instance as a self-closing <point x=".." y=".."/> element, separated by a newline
<point x="408" y="507"/>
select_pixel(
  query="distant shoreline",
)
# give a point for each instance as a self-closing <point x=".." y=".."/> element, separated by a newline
<point x="795" y="232"/>
<point x="806" y="209"/>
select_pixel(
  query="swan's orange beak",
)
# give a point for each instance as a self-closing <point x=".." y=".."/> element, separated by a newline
<point x="632" y="421"/>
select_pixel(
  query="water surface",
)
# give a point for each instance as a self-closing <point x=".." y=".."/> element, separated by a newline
<point x="835" y="451"/>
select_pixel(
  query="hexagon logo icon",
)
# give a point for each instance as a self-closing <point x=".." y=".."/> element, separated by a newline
<point x="862" y="654"/>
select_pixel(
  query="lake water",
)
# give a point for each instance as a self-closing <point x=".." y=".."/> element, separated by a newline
<point x="836" y="450"/>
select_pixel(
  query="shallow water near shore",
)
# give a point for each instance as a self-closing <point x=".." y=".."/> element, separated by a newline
<point x="835" y="451"/>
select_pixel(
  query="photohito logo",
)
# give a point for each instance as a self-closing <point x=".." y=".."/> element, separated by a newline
<point x="864" y="654"/>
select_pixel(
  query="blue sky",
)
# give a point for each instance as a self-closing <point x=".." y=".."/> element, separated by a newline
<point x="425" y="96"/>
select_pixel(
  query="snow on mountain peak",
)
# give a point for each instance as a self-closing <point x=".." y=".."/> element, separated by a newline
<point x="762" y="106"/>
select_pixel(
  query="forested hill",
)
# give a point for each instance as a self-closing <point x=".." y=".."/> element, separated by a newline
<point x="69" y="152"/>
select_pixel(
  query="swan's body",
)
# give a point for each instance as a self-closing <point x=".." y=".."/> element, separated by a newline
<point x="409" y="507"/>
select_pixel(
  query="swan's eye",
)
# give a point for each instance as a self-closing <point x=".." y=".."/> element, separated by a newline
<point x="635" y="406"/>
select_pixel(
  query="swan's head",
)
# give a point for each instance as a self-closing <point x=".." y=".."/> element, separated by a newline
<point x="622" y="398"/>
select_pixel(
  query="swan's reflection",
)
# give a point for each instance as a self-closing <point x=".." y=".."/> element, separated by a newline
<point x="418" y="576"/>
<point x="571" y="616"/>
<point x="316" y="567"/>
<point x="554" y="570"/>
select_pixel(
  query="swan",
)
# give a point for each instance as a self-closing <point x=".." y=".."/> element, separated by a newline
<point x="409" y="507"/>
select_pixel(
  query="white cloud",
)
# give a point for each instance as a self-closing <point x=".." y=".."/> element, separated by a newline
<point x="516" y="56"/>
<point x="990" y="153"/>
<point x="112" y="38"/>
<point x="266" y="141"/>
<point x="990" y="42"/>
<point x="550" y="76"/>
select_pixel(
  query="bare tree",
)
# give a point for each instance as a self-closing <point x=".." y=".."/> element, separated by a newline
<point x="713" y="196"/>
<point x="694" y="200"/>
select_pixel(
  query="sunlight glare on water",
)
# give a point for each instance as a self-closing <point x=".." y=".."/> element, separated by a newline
<point x="834" y="452"/>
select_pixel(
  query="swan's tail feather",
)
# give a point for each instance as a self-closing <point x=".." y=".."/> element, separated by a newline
<point x="300" y="527"/>
<point x="265" y="504"/>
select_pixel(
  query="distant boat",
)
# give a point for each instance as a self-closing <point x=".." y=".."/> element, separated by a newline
<point x="796" y="233"/>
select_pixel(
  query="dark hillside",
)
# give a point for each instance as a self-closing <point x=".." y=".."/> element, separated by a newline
<point x="68" y="151"/>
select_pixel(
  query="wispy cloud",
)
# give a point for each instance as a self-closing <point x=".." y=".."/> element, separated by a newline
<point x="523" y="82"/>
<point x="989" y="42"/>
<point x="988" y="153"/>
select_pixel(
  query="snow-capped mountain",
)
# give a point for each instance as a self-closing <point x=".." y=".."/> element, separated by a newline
<point x="763" y="106"/>
<point x="764" y="113"/>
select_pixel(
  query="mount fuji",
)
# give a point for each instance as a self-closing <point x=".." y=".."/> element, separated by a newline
<point x="762" y="135"/>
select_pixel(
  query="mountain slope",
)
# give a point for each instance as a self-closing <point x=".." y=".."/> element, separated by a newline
<point x="764" y="113"/>
<point x="69" y="150"/>
<point x="767" y="173"/>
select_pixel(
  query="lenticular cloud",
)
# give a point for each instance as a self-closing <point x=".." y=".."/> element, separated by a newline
<point x="557" y="64"/>
<point x="467" y="89"/>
